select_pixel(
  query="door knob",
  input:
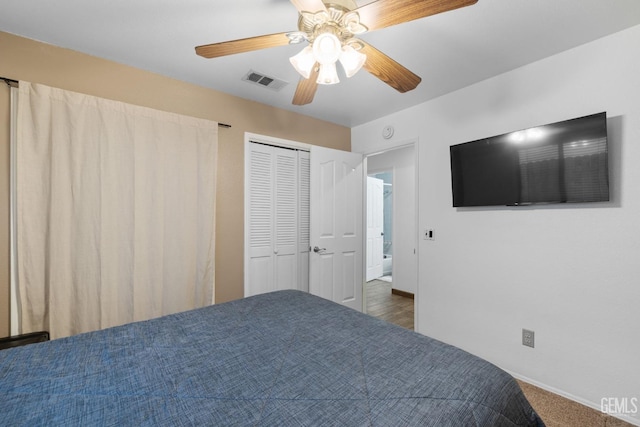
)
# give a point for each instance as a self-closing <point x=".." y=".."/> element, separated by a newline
<point x="318" y="250"/>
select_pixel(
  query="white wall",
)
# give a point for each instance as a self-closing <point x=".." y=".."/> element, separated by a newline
<point x="401" y="162"/>
<point x="571" y="273"/>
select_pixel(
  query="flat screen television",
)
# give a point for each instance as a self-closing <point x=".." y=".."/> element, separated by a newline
<point x="563" y="162"/>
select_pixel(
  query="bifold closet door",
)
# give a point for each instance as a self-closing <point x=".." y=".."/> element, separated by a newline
<point x="274" y="238"/>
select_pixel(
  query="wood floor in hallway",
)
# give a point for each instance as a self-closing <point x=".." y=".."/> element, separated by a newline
<point x="381" y="303"/>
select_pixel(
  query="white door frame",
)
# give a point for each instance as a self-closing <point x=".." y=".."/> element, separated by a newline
<point x="409" y="143"/>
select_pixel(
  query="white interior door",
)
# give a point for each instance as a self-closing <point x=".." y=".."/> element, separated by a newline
<point x="336" y="261"/>
<point x="375" y="227"/>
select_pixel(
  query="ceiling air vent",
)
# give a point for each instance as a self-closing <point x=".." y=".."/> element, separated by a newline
<point x="264" y="81"/>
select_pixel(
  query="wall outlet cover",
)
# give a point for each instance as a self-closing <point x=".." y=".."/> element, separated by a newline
<point x="528" y="338"/>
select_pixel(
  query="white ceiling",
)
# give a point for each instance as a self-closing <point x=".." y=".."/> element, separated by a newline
<point x="449" y="51"/>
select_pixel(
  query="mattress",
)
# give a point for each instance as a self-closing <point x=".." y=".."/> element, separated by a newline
<point x="284" y="358"/>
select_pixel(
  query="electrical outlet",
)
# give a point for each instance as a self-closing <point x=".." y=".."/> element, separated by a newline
<point x="528" y="338"/>
<point x="429" y="234"/>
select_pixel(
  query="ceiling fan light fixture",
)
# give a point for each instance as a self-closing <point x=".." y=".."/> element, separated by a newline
<point x="329" y="33"/>
<point x="327" y="48"/>
<point x="303" y="62"/>
<point x="328" y="74"/>
<point x="351" y="60"/>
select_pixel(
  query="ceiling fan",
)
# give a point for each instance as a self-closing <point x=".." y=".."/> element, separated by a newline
<point x="330" y="27"/>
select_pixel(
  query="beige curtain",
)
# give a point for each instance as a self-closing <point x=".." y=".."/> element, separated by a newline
<point x="115" y="211"/>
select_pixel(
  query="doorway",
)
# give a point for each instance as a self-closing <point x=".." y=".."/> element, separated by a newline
<point x="392" y="174"/>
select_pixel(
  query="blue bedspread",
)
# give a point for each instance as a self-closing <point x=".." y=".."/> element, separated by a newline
<point x="280" y="359"/>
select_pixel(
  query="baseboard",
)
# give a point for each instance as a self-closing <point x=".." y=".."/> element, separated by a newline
<point x="589" y="404"/>
<point x="402" y="293"/>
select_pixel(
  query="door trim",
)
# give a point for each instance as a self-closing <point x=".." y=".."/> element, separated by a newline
<point x="272" y="140"/>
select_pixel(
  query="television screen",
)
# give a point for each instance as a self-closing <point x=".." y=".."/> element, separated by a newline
<point x="564" y="162"/>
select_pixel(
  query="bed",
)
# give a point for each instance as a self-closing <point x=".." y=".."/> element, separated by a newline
<point x="284" y="358"/>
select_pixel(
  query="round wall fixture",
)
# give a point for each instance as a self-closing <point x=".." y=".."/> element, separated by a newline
<point x="387" y="132"/>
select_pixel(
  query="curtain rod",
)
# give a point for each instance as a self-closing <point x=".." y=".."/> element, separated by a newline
<point x="12" y="82"/>
<point x="9" y="81"/>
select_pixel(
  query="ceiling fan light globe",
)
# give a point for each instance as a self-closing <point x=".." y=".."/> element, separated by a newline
<point x="327" y="48"/>
<point x="328" y="74"/>
<point x="303" y="62"/>
<point x="351" y="60"/>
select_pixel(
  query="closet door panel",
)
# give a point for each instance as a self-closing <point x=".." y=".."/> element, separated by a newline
<point x="286" y="218"/>
<point x="260" y="201"/>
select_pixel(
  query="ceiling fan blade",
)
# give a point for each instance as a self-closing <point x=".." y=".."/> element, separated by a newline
<point x="388" y="70"/>
<point x="306" y="89"/>
<point x="216" y="50"/>
<point x="312" y="6"/>
<point x="385" y="13"/>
